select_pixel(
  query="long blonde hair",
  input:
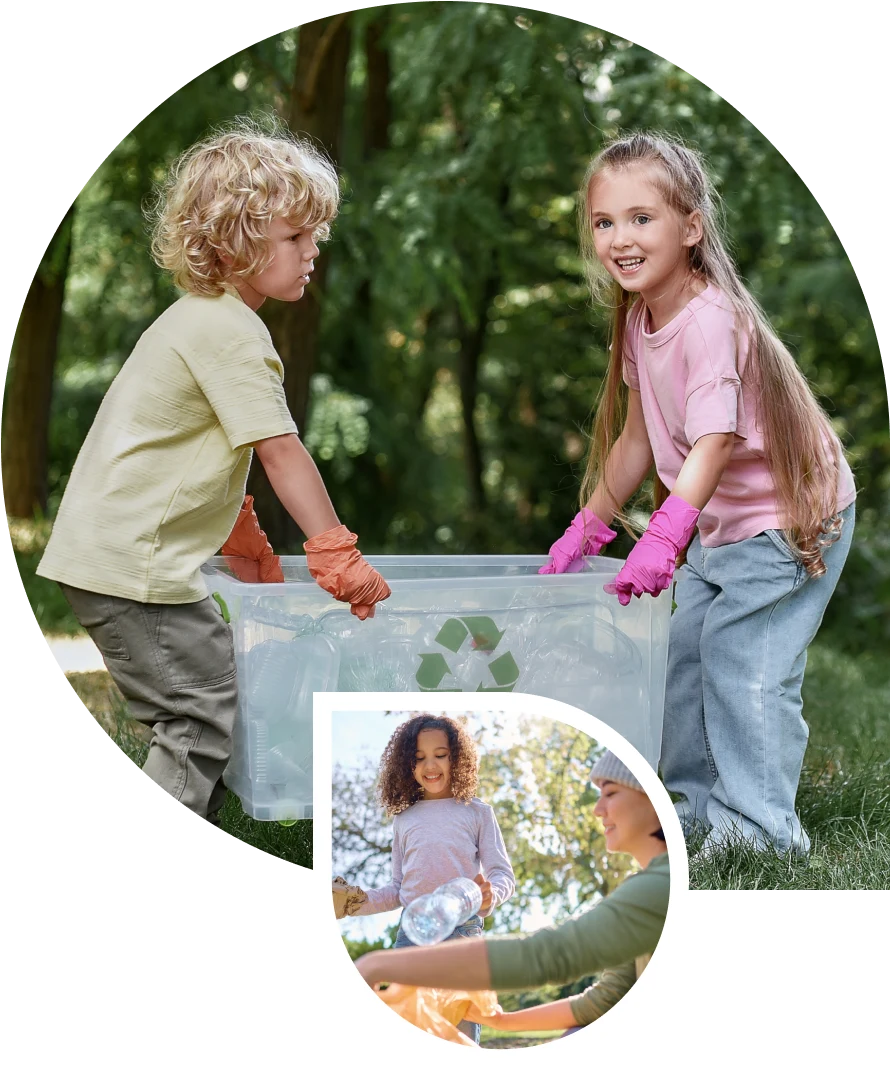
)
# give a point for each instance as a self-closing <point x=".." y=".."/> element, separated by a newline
<point x="802" y="450"/>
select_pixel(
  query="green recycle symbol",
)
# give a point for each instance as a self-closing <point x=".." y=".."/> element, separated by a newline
<point x="485" y="637"/>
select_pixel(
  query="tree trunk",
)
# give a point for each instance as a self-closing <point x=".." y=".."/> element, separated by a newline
<point x="472" y="343"/>
<point x="375" y="137"/>
<point x="378" y="112"/>
<point x="317" y="97"/>
<point x="29" y="382"/>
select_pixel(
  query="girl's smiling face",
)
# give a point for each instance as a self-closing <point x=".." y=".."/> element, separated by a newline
<point x="639" y="238"/>
<point x="629" y="819"/>
<point x="432" y="764"/>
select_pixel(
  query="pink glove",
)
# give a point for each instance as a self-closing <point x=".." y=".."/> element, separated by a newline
<point x="586" y="536"/>
<point x="650" y="565"/>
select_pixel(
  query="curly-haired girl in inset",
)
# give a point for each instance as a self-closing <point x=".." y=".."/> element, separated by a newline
<point x="441" y="830"/>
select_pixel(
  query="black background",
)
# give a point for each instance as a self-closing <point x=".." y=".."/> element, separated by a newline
<point x="189" y="928"/>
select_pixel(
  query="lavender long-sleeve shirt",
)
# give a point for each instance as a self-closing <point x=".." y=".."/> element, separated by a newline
<point x="434" y="841"/>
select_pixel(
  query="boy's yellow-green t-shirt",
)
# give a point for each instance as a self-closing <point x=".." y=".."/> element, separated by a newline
<point x="160" y="478"/>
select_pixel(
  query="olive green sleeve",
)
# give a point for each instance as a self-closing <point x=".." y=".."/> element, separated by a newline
<point x="607" y="991"/>
<point x="625" y="925"/>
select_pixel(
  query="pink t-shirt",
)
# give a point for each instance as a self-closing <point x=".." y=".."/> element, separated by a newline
<point x="688" y="375"/>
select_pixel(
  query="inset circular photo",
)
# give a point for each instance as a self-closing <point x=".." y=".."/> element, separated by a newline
<point x="500" y="878"/>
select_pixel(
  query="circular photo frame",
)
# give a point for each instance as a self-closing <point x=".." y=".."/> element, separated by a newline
<point x="356" y="990"/>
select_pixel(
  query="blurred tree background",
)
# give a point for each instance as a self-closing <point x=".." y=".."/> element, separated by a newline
<point x="444" y="362"/>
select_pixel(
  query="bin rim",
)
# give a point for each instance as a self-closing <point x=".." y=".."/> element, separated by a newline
<point x="598" y="569"/>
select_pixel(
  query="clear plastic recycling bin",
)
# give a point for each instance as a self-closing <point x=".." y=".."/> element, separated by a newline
<point x="453" y="623"/>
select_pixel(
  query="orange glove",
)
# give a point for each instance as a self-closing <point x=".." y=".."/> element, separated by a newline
<point x="338" y="567"/>
<point x="251" y="556"/>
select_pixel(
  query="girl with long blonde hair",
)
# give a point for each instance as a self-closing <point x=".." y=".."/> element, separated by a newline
<point x="752" y="485"/>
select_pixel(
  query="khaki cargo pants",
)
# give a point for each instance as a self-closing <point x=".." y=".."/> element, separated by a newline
<point x="175" y="665"/>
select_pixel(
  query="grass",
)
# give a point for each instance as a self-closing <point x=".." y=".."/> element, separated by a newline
<point x="843" y="800"/>
<point x="102" y="698"/>
<point x="293" y="844"/>
<point x="844" y="794"/>
<point x="492" y="1039"/>
<point x="848" y="857"/>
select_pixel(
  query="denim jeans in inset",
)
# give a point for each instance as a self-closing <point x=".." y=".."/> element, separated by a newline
<point x="471" y="929"/>
<point x="734" y="736"/>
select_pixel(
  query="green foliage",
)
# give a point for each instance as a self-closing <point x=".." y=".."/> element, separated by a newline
<point x="338" y="429"/>
<point x="458" y="357"/>
<point x="357" y="949"/>
<point x="511" y="1001"/>
<point x="540" y="788"/>
<point x="455" y="302"/>
<point x="46" y="599"/>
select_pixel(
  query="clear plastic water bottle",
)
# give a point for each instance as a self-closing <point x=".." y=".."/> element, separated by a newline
<point x="430" y="919"/>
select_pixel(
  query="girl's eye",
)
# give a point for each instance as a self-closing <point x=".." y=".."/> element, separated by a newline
<point x="642" y="219"/>
<point x="601" y="224"/>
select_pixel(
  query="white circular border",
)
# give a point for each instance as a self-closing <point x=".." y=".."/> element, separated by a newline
<point x="326" y="927"/>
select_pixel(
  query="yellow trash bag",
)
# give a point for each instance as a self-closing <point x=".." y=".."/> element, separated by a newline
<point x="438" y="1012"/>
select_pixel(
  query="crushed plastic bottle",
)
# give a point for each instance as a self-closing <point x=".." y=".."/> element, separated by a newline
<point x="430" y="919"/>
<point x="262" y="612"/>
<point x="378" y="666"/>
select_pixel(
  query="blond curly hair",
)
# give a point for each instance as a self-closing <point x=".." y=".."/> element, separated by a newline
<point x="211" y="216"/>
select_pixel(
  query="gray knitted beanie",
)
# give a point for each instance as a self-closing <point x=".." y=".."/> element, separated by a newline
<point x="610" y="769"/>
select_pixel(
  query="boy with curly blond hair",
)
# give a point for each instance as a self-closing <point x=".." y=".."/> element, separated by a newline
<point x="159" y="482"/>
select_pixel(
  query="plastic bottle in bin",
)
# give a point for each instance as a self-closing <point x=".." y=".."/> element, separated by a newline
<point x="430" y="919"/>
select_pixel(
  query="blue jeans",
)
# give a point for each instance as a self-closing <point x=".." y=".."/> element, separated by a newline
<point x="471" y="929"/>
<point x="734" y="737"/>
